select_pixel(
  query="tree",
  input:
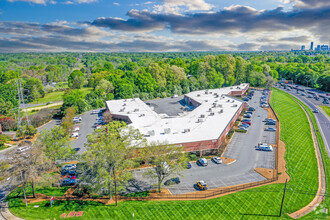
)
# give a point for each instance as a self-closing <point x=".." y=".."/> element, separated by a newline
<point x="76" y="79"/>
<point x="76" y="99"/>
<point x="33" y="89"/>
<point x="108" y="155"/>
<point x="28" y="167"/>
<point x="67" y="121"/>
<point x="6" y="108"/>
<point x="269" y="83"/>
<point x="107" y="117"/>
<point x="56" y="144"/>
<point x="166" y="160"/>
<point x="105" y="86"/>
<point x="26" y="131"/>
<point x="4" y="168"/>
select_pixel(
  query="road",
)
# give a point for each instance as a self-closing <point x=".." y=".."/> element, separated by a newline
<point x="241" y="148"/>
<point x="322" y="119"/>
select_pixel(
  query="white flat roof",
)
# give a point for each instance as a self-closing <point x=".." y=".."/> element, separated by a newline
<point x="203" y="123"/>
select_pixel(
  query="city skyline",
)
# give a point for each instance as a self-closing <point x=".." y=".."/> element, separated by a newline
<point x="161" y="25"/>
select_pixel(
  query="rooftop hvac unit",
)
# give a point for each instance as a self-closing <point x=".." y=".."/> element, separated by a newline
<point x="186" y="130"/>
<point x="198" y="95"/>
<point x="167" y="130"/>
<point x="125" y="100"/>
<point x="206" y="91"/>
<point x="235" y="105"/>
<point x="212" y="113"/>
<point x="200" y="119"/>
<point x="136" y="110"/>
<point x="202" y="116"/>
<point x="220" y="105"/>
<point x="151" y="133"/>
<point x="228" y="100"/>
<point x="215" y="93"/>
<point x="142" y="115"/>
<point x="206" y="100"/>
<point x="216" y="96"/>
<point x="210" y="109"/>
<point x="221" y="111"/>
<point x="128" y="112"/>
<point x="121" y="110"/>
<point x="210" y="92"/>
<point x="216" y="101"/>
<point x="124" y="104"/>
<point x="232" y="101"/>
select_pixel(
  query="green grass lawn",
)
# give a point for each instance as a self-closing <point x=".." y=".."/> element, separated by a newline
<point x="326" y="109"/>
<point x="258" y="203"/>
<point x="57" y="96"/>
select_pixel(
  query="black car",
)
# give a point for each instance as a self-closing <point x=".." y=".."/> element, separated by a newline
<point x="172" y="181"/>
<point x="271" y="123"/>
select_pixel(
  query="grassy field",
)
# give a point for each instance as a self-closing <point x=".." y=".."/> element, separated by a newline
<point x="57" y="96"/>
<point x="258" y="203"/>
<point x="326" y="109"/>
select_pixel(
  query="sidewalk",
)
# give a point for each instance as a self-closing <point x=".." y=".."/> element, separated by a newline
<point x="6" y="214"/>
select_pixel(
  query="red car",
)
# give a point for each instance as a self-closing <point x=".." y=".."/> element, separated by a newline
<point x="246" y="122"/>
<point x="71" y="177"/>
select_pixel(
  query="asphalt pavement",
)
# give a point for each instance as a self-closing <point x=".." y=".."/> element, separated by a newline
<point x="322" y="119"/>
<point x="241" y="148"/>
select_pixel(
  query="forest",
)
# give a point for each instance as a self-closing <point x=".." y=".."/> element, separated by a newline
<point x="85" y="80"/>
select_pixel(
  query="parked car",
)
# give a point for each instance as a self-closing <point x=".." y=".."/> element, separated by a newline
<point x="202" y="161"/>
<point x="271" y="123"/>
<point x="325" y="102"/>
<point x="172" y="181"/>
<point x="202" y="185"/>
<point x="69" y="167"/>
<point x="68" y="182"/>
<point x="75" y="134"/>
<point x="245" y="99"/>
<point x="217" y="160"/>
<point x="269" y="119"/>
<point x="75" y="129"/>
<point x="95" y="112"/>
<point x="242" y="128"/>
<point x="315" y="111"/>
<point x="316" y="98"/>
<point x="264" y="147"/>
<point x="247" y="116"/>
<point x="270" y="129"/>
<point x="249" y="113"/>
<point x="244" y="125"/>
<point x="98" y="126"/>
<point x="68" y="172"/>
<point x="188" y="165"/>
<point x="251" y="109"/>
<point x="246" y="122"/>
<point x="309" y="96"/>
<point x="71" y="177"/>
<point x="22" y="149"/>
<point x="303" y="94"/>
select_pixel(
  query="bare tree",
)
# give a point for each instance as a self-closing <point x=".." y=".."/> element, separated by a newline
<point x="107" y="117"/>
<point x="166" y="160"/>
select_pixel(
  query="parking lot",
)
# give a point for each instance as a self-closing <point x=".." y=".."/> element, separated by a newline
<point x="241" y="148"/>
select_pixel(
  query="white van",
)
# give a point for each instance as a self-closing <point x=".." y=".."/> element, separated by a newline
<point x="75" y="134"/>
<point x="22" y="149"/>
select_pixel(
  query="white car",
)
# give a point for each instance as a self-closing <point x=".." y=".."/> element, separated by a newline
<point x="22" y="149"/>
<point x="75" y="134"/>
<point x="75" y="129"/>
<point x="264" y="147"/>
<point x="98" y="126"/>
<point x="95" y="112"/>
<point x="217" y="160"/>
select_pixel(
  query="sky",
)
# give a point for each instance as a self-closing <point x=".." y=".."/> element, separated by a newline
<point x="161" y="25"/>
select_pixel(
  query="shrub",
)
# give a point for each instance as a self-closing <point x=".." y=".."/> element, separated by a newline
<point x="137" y="194"/>
<point x="240" y="130"/>
<point x="193" y="157"/>
<point x="42" y="117"/>
<point x="8" y="124"/>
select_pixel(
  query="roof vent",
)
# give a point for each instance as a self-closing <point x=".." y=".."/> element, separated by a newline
<point x="186" y="130"/>
<point x="136" y="110"/>
<point x="212" y="113"/>
<point x="202" y="116"/>
<point x="167" y="130"/>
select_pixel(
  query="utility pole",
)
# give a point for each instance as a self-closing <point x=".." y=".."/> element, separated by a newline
<point x="283" y="197"/>
<point x="21" y="102"/>
<point x="114" y="174"/>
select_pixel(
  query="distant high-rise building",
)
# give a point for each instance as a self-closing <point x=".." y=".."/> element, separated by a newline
<point x="312" y="46"/>
<point x="324" y="47"/>
<point x="318" y="48"/>
<point x="303" y="47"/>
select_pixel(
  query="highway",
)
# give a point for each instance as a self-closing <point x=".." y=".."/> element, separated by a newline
<point x="321" y="117"/>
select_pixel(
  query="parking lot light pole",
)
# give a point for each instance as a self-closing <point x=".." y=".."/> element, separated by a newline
<point x="283" y="197"/>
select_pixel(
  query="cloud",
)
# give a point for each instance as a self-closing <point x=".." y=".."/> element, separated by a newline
<point x="308" y="4"/>
<point x="116" y="3"/>
<point x="43" y="2"/>
<point x="53" y="2"/>
<point x="175" y="6"/>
